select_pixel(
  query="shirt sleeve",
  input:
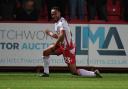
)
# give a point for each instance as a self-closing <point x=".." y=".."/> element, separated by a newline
<point x="62" y="25"/>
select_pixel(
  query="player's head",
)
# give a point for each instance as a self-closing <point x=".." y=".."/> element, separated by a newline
<point x="55" y="13"/>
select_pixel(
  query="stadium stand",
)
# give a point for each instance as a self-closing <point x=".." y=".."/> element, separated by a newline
<point x="115" y="11"/>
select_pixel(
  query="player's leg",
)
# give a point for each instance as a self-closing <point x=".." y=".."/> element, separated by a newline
<point x="46" y="66"/>
<point x="46" y="53"/>
<point x="69" y="59"/>
<point x="83" y="72"/>
<point x="80" y="72"/>
<point x="72" y="68"/>
<point x="86" y="73"/>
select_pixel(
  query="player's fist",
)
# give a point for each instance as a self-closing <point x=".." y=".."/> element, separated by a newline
<point x="47" y="31"/>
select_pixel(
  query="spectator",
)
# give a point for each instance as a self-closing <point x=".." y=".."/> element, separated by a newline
<point x="27" y="12"/>
<point x="125" y="9"/>
<point x="7" y="9"/>
<point x="39" y="4"/>
<point x="77" y="6"/>
<point x="97" y="7"/>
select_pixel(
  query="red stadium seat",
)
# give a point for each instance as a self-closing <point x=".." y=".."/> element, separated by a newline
<point x="43" y="13"/>
<point x="114" y="10"/>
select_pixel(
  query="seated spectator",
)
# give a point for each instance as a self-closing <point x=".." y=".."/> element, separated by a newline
<point x="7" y="9"/>
<point x="39" y="4"/>
<point x="77" y="9"/>
<point x="27" y="12"/>
<point x="97" y="8"/>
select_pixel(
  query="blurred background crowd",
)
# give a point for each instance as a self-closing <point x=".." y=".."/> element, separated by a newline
<point x="34" y="10"/>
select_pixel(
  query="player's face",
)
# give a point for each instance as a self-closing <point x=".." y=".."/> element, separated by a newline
<point x="55" y="14"/>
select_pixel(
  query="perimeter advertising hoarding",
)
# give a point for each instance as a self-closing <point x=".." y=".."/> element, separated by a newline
<point x="21" y="44"/>
<point x="108" y="45"/>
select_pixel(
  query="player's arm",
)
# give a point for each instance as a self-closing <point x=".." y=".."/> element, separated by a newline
<point x="50" y="33"/>
<point x="60" y="37"/>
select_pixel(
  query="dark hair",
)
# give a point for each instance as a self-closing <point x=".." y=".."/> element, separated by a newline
<point x="56" y="8"/>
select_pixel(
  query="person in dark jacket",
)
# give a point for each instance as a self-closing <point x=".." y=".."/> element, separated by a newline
<point x="7" y="8"/>
<point x="97" y="8"/>
<point x="27" y="12"/>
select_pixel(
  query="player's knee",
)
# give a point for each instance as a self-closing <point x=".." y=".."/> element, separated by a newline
<point x="45" y="53"/>
<point x="74" y="73"/>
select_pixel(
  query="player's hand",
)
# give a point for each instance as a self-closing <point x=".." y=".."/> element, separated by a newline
<point x="47" y="31"/>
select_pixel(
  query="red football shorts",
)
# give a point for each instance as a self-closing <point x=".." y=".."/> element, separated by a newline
<point x="67" y="53"/>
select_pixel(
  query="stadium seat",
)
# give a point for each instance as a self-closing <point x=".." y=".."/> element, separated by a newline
<point x="114" y="10"/>
<point x="43" y="13"/>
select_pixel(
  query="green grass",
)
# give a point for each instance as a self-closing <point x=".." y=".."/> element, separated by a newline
<point x="62" y="81"/>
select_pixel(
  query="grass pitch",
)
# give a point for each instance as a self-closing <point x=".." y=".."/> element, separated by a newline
<point x="62" y="81"/>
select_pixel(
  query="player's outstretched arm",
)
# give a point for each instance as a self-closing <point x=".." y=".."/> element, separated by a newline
<point x="50" y="33"/>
